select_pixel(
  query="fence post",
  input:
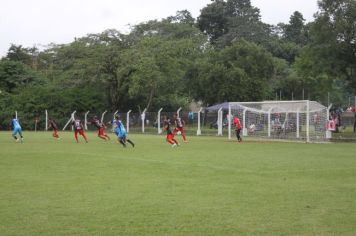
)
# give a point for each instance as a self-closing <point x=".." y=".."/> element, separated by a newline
<point x="102" y="116"/>
<point x="113" y="116"/>
<point x="71" y="119"/>
<point x="244" y="129"/>
<point x="328" y="133"/>
<point x="143" y="117"/>
<point x="178" y="111"/>
<point x="86" y="120"/>
<point x="308" y="120"/>
<point x="46" y="120"/>
<point x="269" y="122"/>
<point x="220" y="121"/>
<point x="199" y="126"/>
<point x="229" y="121"/>
<point x="128" y="121"/>
<point x="159" y="121"/>
<point x="297" y="125"/>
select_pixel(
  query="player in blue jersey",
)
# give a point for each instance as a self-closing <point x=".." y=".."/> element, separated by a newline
<point x="120" y="131"/>
<point x="16" y="129"/>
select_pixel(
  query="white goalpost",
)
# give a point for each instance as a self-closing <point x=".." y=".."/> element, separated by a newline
<point x="299" y="120"/>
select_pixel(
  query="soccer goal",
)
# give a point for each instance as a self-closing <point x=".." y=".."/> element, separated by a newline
<point x="299" y="120"/>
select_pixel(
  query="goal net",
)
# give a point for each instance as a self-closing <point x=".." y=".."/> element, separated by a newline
<point x="298" y="120"/>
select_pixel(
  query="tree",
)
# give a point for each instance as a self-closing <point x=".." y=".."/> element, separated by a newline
<point x="241" y="72"/>
<point x="295" y="30"/>
<point x="226" y="22"/>
<point x="15" y="73"/>
<point x="330" y="57"/>
<point x="213" y="20"/>
<point x="28" y="56"/>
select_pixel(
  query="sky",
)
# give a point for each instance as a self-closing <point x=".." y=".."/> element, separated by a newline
<point x="41" y="22"/>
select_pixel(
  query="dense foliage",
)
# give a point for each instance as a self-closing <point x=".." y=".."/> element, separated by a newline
<point x="226" y="54"/>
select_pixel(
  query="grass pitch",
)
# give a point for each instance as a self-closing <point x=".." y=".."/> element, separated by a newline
<point x="209" y="186"/>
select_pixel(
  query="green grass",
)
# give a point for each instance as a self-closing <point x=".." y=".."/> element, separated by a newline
<point x="209" y="186"/>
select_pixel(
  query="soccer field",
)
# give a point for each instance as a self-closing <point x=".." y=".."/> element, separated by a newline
<point x="209" y="186"/>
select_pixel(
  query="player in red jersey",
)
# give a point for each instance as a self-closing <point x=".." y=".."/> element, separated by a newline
<point x="101" y="128"/>
<point x="78" y="128"/>
<point x="179" y="126"/>
<point x="238" y="127"/>
<point x="53" y="125"/>
<point x="170" y="136"/>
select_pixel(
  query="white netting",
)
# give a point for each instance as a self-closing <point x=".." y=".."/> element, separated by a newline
<point x="302" y="120"/>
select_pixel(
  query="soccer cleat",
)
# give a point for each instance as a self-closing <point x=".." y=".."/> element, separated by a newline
<point x="21" y="140"/>
<point x="17" y="140"/>
<point x="174" y="145"/>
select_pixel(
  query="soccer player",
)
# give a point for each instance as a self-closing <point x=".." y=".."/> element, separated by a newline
<point x="179" y="123"/>
<point x="237" y="124"/>
<point x="78" y="128"/>
<point x="16" y="129"/>
<point x="53" y="125"/>
<point x="170" y="135"/>
<point x="121" y="133"/>
<point x="101" y="128"/>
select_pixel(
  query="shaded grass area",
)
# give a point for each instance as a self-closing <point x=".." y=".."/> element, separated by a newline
<point x="209" y="186"/>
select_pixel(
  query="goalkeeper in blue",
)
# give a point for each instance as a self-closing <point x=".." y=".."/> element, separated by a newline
<point x="16" y="129"/>
<point x="121" y="133"/>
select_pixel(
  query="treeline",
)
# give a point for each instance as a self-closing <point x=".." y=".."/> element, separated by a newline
<point x="226" y="54"/>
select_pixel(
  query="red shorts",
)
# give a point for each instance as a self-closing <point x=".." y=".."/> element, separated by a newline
<point x="178" y="129"/>
<point x="101" y="132"/>
<point x="80" y="131"/>
<point x="170" y="136"/>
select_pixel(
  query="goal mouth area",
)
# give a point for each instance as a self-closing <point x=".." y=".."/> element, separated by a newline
<point x="298" y="121"/>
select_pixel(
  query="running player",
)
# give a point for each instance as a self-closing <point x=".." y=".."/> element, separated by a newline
<point x="121" y="133"/>
<point x="179" y="123"/>
<point x="53" y="125"/>
<point x="237" y="124"/>
<point x="170" y="135"/>
<point x="78" y="128"/>
<point x="113" y="123"/>
<point x="16" y="129"/>
<point x="101" y="128"/>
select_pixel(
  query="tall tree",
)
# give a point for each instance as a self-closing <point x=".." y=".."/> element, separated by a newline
<point x="213" y="20"/>
<point x="331" y="54"/>
<point x="241" y="72"/>
<point x="295" y="31"/>
<point x="228" y="21"/>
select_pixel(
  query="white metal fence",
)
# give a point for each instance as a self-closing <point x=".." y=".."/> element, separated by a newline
<point x="298" y="120"/>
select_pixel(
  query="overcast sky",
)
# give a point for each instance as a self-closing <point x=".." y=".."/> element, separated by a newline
<point x="40" y="22"/>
